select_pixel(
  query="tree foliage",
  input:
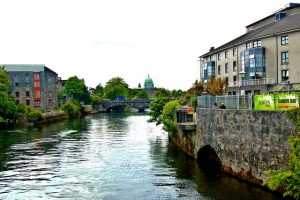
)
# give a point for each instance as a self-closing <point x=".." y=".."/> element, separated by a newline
<point x="288" y="179"/>
<point x="116" y="87"/>
<point x="76" y="89"/>
<point x="196" y="89"/>
<point x="156" y="109"/>
<point x="168" y="117"/>
<point x="7" y="102"/>
<point x="162" y="92"/>
<point x="216" y="86"/>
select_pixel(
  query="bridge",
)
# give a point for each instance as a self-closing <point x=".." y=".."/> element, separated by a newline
<point x="140" y="104"/>
<point x="244" y="143"/>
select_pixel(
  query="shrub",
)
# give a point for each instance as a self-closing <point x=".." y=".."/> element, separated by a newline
<point x="33" y="114"/>
<point x="72" y="108"/>
<point x="169" y="116"/>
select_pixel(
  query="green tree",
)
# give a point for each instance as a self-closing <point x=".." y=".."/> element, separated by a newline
<point x="76" y="89"/>
<point x="116" y="87"/>
<point x="99" y="90"/>
<point x="7" y="102"/>
<point x="168" y="117"/>
<point x="162" y="92"/>
<point x="156" y="109"/>
<point x="288" y="180"/>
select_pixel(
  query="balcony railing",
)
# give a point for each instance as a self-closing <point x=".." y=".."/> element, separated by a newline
<point x="263" y="81"/>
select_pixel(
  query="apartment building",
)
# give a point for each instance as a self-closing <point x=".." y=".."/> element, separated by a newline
<point x="266" y="59"/>
<point x="33" y="85"/>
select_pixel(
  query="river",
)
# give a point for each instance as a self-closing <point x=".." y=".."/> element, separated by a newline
<point x="108" y="156"/>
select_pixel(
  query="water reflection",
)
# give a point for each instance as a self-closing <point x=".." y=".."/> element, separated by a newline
<point x="107" y="156"/>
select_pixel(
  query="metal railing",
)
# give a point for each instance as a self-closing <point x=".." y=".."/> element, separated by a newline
<point x="263" y="81"/>
<point x="238" y="102"/>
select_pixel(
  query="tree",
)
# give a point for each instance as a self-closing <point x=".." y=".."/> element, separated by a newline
<point x="216" y="86"/>
<point x="288" y="179"/>
<point x="168" y="117"/>
<point x="115" y="87"/>
<point x="7" y="102"/>
<point x="76" y="89"/>
<point x="156" y="108"/>
<point x="99" y="90"/>
<point x="162" y="92"/>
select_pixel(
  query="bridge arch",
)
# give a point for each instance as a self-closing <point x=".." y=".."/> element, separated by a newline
<point x="208" y="159"/>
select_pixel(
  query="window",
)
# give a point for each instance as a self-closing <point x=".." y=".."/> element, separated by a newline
<point x="36" y="84"/>
<point x="234" y="67"/>
<point x="17" y="102"/>
<point x="36" y="75"/>
<point x="16" y="74"/>
<point x="50" y="79"/>
<point x="50" y="102"/>
<point x="248" y="45"/>
<point x="234" y="51"/>
<point x="219" y="56"/>
<point x="284" y="40"/>
<point x="226" y="68"/>
<point x="27" y="75"/>
<point x="27" y="84"/>
<point x="256" y="43"/>
<point x="284" y="57"/>
<point x="285" y="75"/>
<point x="219" y="69"/>
<point x="27" y="102"/>
<point x="234" y="93"/>
<point x="17" y="94"/>
<point x="226" y="54"/>
<point x="27" y="94"/>
<point x="37" y="94"/>
<point x="37" y="103"/>
<point x="50" y="94"/>
<point x="16" y="84"/>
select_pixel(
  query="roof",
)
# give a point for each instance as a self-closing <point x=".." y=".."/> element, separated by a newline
<point x="25" y="67"/>
<point x="287" y="24"/>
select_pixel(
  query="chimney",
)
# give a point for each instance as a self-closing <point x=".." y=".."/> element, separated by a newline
<point x="211" y="49"/>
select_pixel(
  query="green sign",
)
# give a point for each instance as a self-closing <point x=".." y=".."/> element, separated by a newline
<point x="286" y="101"/>
<point x="264" y="102"/>
<point x="275" y="101"/>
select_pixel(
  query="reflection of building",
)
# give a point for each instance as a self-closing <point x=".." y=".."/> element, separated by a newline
<point x="33" y="85"/>
<point x="149" y="86"/>
<point x="265" y="57"/>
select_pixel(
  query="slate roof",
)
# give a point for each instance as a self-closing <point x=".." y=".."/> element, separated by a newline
<point x="287" y="24"/>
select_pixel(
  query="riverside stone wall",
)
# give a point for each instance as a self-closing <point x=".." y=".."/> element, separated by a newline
<point x="247" y="142"/>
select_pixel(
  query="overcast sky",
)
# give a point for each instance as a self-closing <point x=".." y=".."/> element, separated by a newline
<point x="101" y="39"/>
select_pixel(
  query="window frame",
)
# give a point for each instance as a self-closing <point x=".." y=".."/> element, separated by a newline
<point x="285" y="40"/>
<point x="284" y="57"/>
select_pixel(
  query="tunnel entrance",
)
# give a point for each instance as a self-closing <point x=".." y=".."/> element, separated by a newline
<point x="208" y="159"/>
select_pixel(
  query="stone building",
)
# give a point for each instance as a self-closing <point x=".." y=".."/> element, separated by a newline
<point x="263" y="60"/>
<point x="33" y="85"/>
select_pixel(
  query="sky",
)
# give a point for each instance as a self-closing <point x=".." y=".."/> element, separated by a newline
<point x="101" y="39"/>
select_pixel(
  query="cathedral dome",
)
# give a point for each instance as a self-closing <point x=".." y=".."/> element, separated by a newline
<point x="148" y="83"/>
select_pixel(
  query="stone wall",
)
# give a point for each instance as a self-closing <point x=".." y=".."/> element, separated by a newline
<point x="247" y="142"/>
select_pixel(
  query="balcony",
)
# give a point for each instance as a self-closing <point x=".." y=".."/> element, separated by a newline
<point x="263" y="81"/>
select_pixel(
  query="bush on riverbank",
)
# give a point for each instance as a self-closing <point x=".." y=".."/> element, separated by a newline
<point x="33" y="114"/>
<point x="53" y="116"/>
<point x="169" y="116"/>
<point x="72" y="108"/>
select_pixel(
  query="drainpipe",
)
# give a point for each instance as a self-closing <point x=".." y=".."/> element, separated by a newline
<point x="277" y="68"/>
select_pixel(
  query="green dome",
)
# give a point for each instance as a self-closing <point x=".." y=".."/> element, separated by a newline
<point x="148" y="83"/>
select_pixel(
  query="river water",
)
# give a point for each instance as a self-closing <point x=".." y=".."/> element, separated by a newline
<point x="107" y="156"/>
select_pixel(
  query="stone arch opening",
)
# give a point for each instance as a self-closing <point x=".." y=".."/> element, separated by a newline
<point x="208" y="159"/>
